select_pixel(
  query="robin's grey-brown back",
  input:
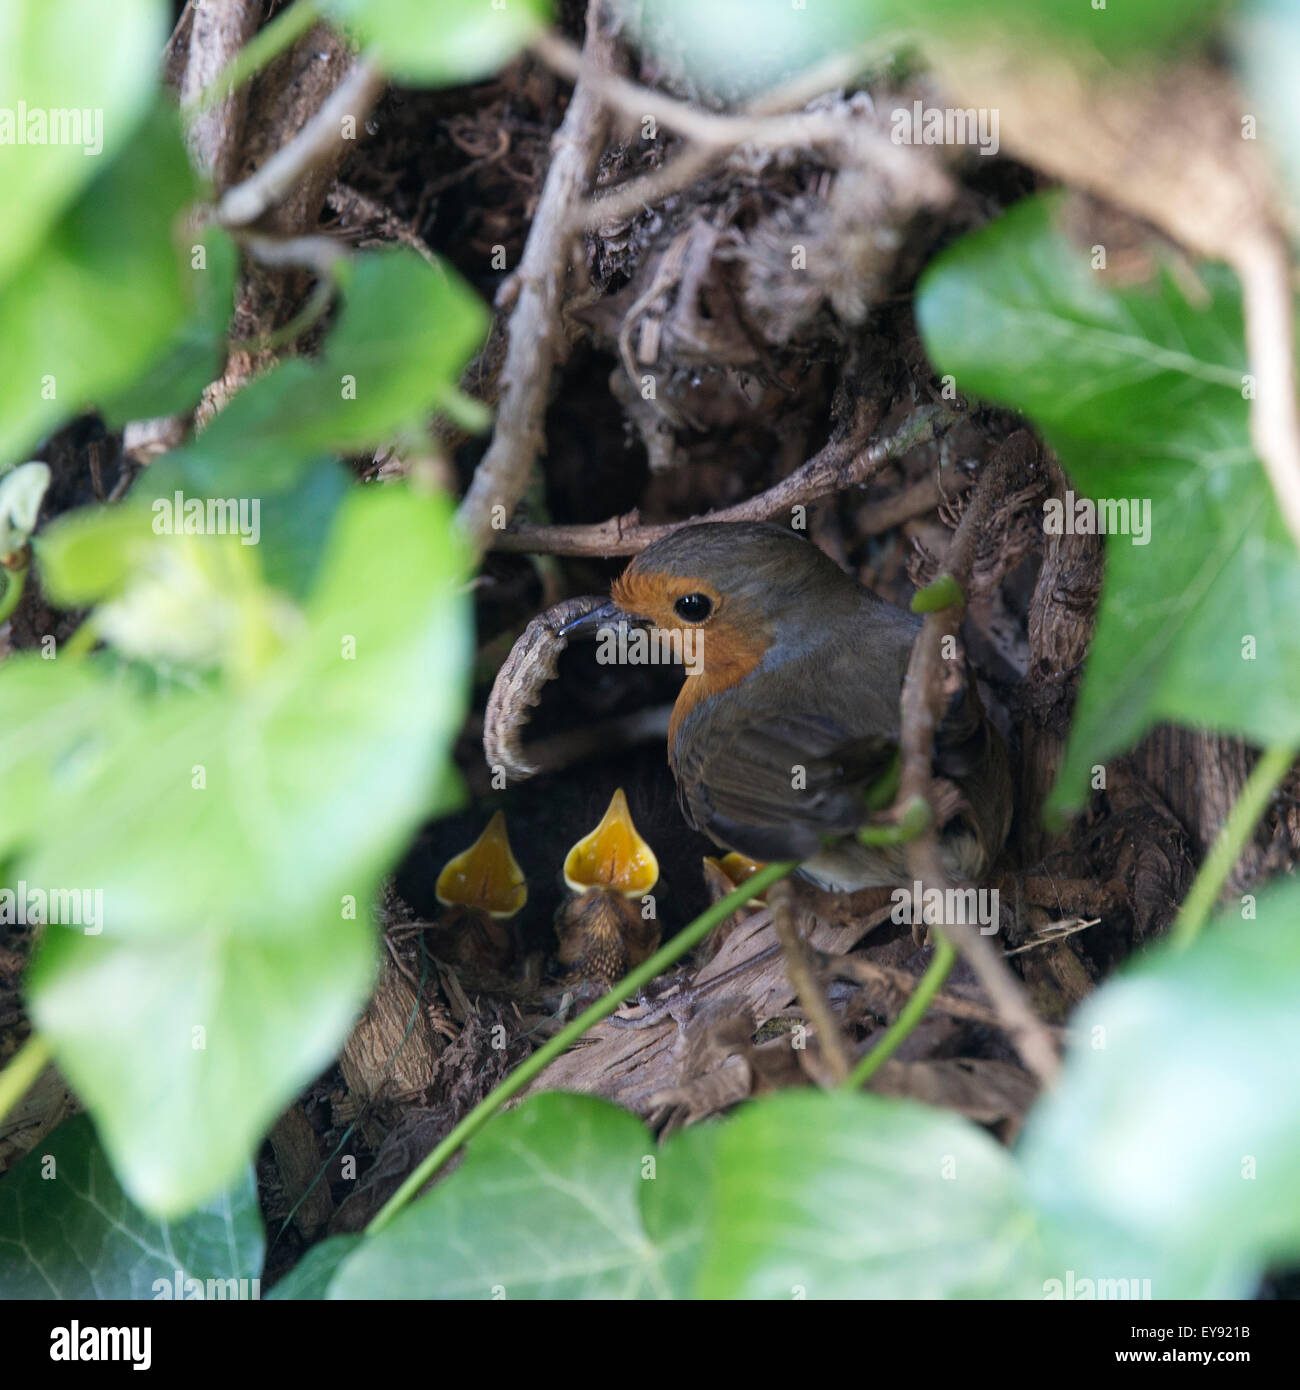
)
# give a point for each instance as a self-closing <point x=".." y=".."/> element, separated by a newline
<point x="791" y="713"/>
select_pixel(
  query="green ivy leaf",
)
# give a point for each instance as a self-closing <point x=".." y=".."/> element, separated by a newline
<point x="456" y="41"/>
<point x="89" y="554"/>
<point x="100" y="298"/>
<point x="828" y="1196"/>
<point x="1170" y="1147"/>
<point x="1266" y="37"/>
<point x="310" y="1277"/>
<point x="185" y="1051"/>
<point x="66" y="57"/>
<point x="1118" y="31"/>
<point x="545" y="1205"/>
<point x="859" y="1196"/>
<point x="404" y="335"/>
<point x="273" y="754"/>
<point x="260" y="814"/>
<point x="1140" y="393"/>
<point x="197" y="352"/>
<point x="59" y="722"/>
<point x="736" y="48"/>
<point x="294" y="521"/>
<point x="67" y="1230"/>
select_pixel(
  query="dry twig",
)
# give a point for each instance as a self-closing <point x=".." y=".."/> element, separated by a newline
<point x="843" y="463"/>
<point x="537" y="342"/>
<point x="811" y="996"/>
<point x="711" y="135"/>
<point x="921" y="707"/>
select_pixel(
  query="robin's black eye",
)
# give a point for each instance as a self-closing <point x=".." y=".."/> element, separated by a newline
<point x="693" y="608"/>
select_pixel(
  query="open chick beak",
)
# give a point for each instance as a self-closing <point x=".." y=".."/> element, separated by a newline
<point x="486" y="875"/>
<point x="612" y="856"/>
<point x="731" y="871"/>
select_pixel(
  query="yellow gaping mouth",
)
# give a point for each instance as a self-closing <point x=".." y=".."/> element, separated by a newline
<point x="613" y="856"/>
<point x="736" y="869"/>
<point x="486" y="875"/>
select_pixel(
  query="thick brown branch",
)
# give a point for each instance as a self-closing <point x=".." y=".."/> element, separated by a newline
<point x="315" y="144"/>
<point x="218" y="29"/>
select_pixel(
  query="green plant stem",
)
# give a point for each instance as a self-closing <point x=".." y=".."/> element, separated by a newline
<point x="929" y="985"/>
<point x="286" y="28"/>
<point x="1226" y="850"/>
<point x="13" y="592"/>
<point x="24" y="1067"/>
<point x="533" y="1066"/>
<point x="913" y="819"/>
<point x="944" y="593"/>
<point x="81" y="643"/>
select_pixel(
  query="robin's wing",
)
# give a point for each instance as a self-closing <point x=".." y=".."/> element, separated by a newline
<point x="774" y="789"/>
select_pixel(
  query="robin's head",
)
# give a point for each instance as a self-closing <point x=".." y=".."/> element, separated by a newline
<point x="740" y="583"/>
<point x="726" y="592"/>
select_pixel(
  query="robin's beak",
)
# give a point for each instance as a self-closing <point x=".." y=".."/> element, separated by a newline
<point x="607" y="615"/>
<point x="486" y="875"/>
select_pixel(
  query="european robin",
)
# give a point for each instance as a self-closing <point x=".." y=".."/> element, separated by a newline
<point x="789" y="714"/>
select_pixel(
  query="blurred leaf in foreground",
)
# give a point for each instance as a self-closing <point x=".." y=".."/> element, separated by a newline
<point x="75" y="79"/>
<point x="440" y="45"/>
<point x="734" y="49"/>
<point x="233" y="944"/>
<point x="1170" y="1147"/>
<point x="403" y="336"/>
<point x="102" y="295"/>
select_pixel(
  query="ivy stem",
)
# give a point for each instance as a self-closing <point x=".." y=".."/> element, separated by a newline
<point x="13" y="592"/>
<point x="285" y="29"/>
<point x="532" y="1066"/>
<point x="24" y="1067"/>
<point x="1249" y="806"/>
<point x="927" y="987"/>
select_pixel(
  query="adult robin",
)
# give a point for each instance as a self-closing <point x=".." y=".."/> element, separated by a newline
<point x="788" y="718"/>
